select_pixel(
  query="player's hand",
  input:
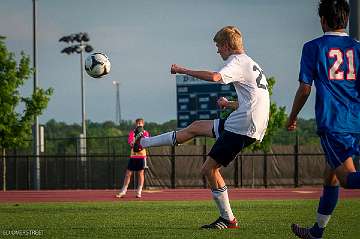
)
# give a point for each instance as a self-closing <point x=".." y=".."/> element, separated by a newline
<point x="176" y="69"/>
<point x="222" y="102"/>
<point x="291" y="124"/>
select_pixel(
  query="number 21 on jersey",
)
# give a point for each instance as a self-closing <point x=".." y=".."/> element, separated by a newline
<point x="335" y="71"/>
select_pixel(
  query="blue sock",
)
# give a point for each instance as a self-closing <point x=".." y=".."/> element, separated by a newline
<point x="327" y="205"/>
<point x="353" y="180"/>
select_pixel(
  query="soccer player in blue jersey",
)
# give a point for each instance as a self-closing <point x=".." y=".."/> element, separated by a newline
<point x="332" y="63"/>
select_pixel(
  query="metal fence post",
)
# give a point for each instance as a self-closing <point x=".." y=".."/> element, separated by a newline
<point x="241" y="170"/>
<point x="28" y="172"/>
<point x="204" y="159"/>
<point x="109" y="176"/>
<point x="64" y="185"/>
<point x="173" y="169"/>
<point x="15" y="172"/>
<point x="108" y="162"/>
<point x="296" y="161"/>
<point x="265" y="171"/>
<point x="4" y="168"/>
<point x="236" y="172"/>
<point x="89" y="171"/>
<point x="252" y="174"/>
<point x="113" y="170"/>
<point x="45" y="184"/>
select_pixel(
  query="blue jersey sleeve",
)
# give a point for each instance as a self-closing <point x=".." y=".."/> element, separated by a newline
<point x="308" y="64"/>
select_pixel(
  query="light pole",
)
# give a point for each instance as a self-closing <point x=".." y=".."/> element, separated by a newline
<point x="117" y="102"/>
<point x="36" y="147"/>
<point x="81" y="38"/>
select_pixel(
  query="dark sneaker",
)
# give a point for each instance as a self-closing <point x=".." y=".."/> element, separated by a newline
<point x="302" y="232"/>
<point x="139" y="132"/>
<point x="222" y="223"/>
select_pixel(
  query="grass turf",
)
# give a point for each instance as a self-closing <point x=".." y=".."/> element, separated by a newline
<point x="173" y="219"/>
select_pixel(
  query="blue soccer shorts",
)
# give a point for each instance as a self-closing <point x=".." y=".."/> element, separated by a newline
<point x="339" y="146"/>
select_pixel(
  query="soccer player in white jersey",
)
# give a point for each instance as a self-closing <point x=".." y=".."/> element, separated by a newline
<point x="246" y="124"/>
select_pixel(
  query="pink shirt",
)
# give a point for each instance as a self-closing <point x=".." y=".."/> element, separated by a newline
<point x="131" y="137"/>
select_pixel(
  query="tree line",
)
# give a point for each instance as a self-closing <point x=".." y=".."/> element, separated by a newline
<point x="55" y="130"/>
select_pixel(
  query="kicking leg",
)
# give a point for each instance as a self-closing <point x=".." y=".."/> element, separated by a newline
<point x="197" y="128"/>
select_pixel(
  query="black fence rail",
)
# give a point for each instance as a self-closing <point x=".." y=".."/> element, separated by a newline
<point x="173" y="170"/>
<point x="70" y="145"/>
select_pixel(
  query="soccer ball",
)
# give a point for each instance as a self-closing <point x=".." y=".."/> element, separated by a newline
<point x="97" y="65"/>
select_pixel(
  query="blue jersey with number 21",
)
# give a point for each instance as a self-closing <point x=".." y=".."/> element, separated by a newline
<point x="332" y="62"/>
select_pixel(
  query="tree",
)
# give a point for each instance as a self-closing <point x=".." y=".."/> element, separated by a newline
<point x="15" y="127"/>
<point x="306" y="131"/>
<point x="277" y="119"/>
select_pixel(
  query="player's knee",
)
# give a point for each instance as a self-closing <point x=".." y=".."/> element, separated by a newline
<point x="207" y="171"/>
<point x="128" y="173"/>
<point x="193" y="127"/>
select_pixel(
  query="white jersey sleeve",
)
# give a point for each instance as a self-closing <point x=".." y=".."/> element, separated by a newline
<point x="230" y="72"/>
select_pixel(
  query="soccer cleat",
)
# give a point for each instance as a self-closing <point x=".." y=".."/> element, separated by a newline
<point x="120" y="194"/>
<point x="302" y="232"/>
<point x="138" y="195"/>
<point x="222" y="223"/>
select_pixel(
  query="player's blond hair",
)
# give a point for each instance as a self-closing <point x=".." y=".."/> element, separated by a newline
<point x="230" y="35"/>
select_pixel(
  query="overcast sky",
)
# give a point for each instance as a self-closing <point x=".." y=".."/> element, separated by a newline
<point x="143" y="38"/>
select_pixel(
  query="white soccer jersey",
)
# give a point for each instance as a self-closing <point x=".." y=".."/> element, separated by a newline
<point x="252" y="115"/>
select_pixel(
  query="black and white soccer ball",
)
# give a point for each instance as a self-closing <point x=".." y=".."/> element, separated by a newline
<point x="97" y="65"/>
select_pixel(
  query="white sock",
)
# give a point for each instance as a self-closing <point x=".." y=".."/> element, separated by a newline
<point x="221" y="198"/>
<point x="322" y="220"/>
<point x="168" y="138"/>
<point x="124" y="188"/>
<point x="139" y="189"/>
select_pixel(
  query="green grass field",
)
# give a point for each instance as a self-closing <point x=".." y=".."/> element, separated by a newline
<point x="258" y="219"/>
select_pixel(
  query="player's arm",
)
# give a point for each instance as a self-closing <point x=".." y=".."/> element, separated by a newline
<point x="224" y="103"/>
<point x="202" y="75"/>
<point x="131" y="138"/>
<point x="300" y="99"/>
